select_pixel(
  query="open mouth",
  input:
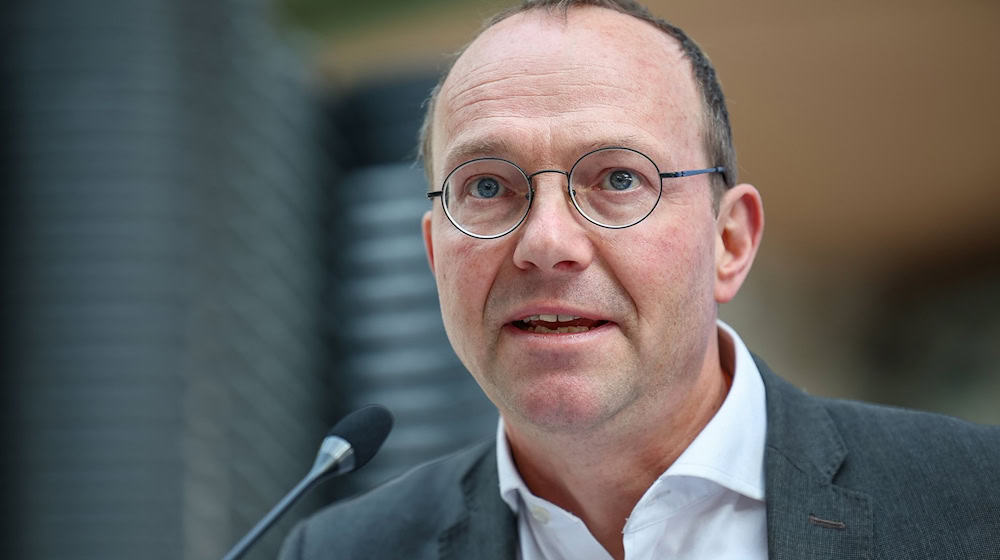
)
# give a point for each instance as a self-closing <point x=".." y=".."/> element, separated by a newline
<point x="557" y="324"/>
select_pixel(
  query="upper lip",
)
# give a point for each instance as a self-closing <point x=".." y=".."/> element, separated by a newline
<point x="527" y="311"/>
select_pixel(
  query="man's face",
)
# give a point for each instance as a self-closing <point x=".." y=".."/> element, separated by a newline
<point x="541" y="91"/>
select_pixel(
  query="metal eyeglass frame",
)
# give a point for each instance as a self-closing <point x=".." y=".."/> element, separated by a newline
<point x="569" y="189"/>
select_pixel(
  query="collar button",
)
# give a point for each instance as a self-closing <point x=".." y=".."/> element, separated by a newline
<point x="540" y="514"/>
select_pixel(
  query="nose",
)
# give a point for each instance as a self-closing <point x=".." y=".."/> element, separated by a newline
<point x="552" y="237"/>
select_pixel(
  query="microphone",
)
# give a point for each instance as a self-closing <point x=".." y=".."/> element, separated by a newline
<point x="348" y="445"/>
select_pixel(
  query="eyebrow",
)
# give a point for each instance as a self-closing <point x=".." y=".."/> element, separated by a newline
<point x="494" y="146"/>
<point x="501" y="147"/>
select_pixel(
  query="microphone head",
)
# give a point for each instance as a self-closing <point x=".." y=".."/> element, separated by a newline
<point x="365" y="429"/>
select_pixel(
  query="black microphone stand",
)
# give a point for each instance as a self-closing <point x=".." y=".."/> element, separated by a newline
<point x="363" y="432"/>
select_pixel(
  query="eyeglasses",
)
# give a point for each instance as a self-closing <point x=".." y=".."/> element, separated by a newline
<point x="613" y="187"/>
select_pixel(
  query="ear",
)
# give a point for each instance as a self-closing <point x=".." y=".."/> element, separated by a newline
<point x="425" y="224"/>
<point x="740" y="225"/>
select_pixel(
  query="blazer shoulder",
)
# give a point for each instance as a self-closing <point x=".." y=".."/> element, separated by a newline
<point x="403" y="516"/>
<point x="928" y="435"/>
<point x="872" y="434"/>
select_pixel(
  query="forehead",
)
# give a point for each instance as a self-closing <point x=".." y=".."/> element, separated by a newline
<point x="538" y="82"/>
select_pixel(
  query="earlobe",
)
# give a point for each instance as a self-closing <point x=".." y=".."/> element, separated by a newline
<point x="740" y="227"/>
<point x="425" y="224"/>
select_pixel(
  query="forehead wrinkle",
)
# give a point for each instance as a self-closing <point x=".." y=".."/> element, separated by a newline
<point x="517" y="95"/>
<point x="513" y="66"/>
<point x="534" y="86"/>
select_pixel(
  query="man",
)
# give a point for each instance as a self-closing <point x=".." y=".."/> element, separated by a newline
<point x="590" y="223"/>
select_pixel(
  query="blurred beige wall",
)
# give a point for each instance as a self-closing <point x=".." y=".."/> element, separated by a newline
<point x="870" y="129"/>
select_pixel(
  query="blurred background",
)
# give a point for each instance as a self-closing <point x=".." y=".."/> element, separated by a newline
<point x="210" y="242"/>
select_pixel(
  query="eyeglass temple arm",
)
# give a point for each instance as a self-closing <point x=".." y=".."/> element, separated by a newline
<point x="433" y="194"/>
<point x="688" y="173"/>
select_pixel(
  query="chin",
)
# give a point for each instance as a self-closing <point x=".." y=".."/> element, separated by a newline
<point x="566" y="406"/>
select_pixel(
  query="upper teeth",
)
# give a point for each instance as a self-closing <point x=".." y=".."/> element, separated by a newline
<point x="551" y="318"/>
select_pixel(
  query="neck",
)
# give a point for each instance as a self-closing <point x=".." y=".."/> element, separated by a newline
<point x="600" y="475"/>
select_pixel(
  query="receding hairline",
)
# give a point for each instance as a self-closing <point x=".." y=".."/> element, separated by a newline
<point x="678" y="40"/>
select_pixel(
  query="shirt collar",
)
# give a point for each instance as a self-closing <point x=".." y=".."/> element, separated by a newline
<point x="729" y="451"/>
<point x="511" y="483"/>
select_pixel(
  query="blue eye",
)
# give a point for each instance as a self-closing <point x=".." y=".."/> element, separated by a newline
<point x="621" y="180"/>
<point x="486" y="187"/>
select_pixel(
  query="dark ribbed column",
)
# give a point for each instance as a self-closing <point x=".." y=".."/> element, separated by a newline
<point x="161" y="290"/>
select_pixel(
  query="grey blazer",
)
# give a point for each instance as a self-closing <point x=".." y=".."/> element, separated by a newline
<point x="844" y="480"/>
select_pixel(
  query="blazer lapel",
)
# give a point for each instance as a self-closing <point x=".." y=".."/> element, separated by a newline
<point x="808" y="516"/>
<point x="487" y="528"/>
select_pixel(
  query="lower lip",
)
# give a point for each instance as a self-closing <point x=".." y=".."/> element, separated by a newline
<point x="509" y="328"/>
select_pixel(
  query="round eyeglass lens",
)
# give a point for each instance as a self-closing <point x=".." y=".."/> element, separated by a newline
<point x="615" y="187"/>
<point x="486" y="197"/>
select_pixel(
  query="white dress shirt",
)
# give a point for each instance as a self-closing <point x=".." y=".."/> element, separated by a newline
<point x="708" y="504"/>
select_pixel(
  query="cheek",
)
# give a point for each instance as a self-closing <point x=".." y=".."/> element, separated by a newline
<point x="667" y="270"/>
<point x="464" y="270"/>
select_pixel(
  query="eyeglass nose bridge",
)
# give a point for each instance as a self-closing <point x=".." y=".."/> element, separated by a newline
<point x="559" y="171"/>
<point x="531" y="177"/>
<point x="531" y="190"/>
